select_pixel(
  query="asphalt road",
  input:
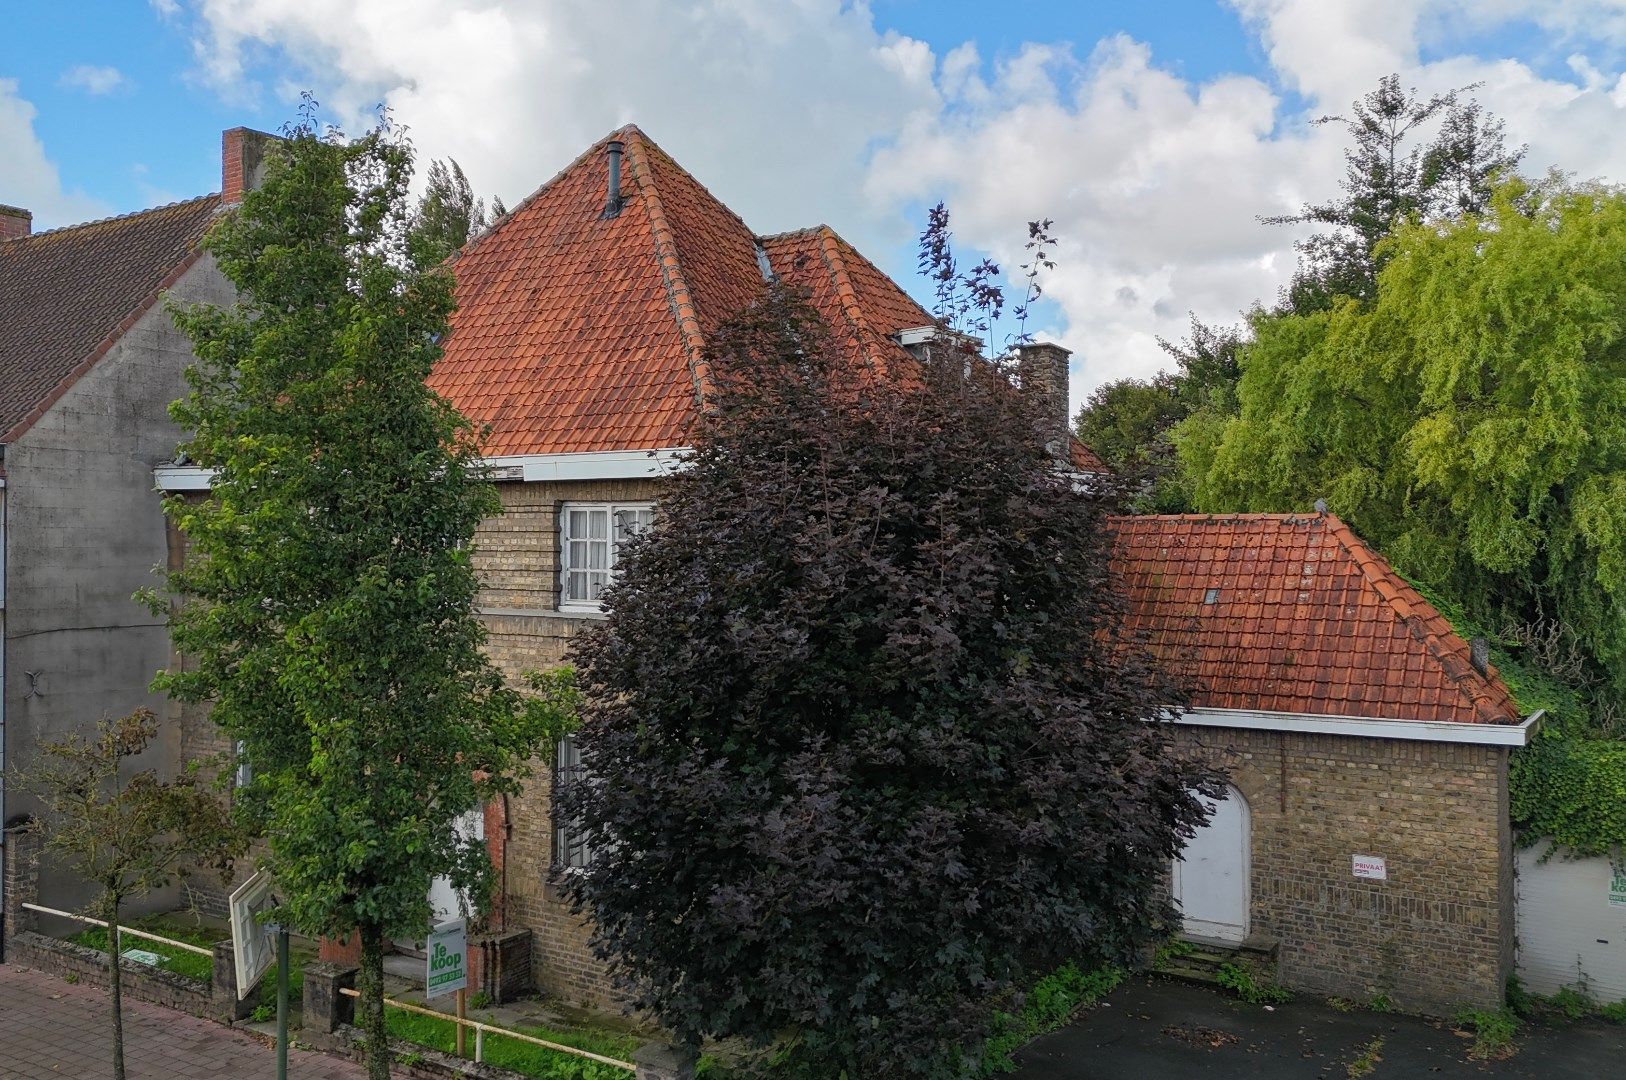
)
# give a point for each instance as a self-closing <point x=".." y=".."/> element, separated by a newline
<point x="1154" y="1028"/>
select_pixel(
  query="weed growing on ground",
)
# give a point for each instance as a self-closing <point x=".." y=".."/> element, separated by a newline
<point x="480" y="1000"/>
<point x="1380" y="1003"/>
<point x="1493" y="1032"/>
<point x="71" y="977"/>
<point x="1342" y="1005"/>
<point x="1615" y="1013"/>
<point x="1240" y="980"/>
<point x="264" y="1012"/>
<point x="1051" y="1004"/>
<point x="1366" y="1061"/>
<point x="1571" y="1003"/>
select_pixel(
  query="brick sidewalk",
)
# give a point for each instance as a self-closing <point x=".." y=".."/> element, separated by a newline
<point x="50" y="1028"/>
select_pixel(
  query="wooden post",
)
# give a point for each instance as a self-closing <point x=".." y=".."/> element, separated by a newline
<point x="462" y="1002"/>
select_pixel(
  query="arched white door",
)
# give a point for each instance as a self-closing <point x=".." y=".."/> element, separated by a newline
<point x="1211" y="874"/>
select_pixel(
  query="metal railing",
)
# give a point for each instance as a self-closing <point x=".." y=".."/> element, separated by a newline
<point x="480" y="1030"/>
<point x="120" y="931"/>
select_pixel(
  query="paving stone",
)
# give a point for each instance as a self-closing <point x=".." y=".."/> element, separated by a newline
<point x="50" y="1028"/>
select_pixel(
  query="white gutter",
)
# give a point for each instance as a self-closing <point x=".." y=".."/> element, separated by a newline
<point x="531" y="468"/>
<point x="1366" y="727"/>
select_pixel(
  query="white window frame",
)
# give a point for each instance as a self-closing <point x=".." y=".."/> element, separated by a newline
<point x="572" y="846"/>
<point x="242" y="772"/>
<point x="610" y="540"/>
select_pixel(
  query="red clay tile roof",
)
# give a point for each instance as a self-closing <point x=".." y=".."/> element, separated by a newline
<point x="1304" y="618"/>
<point x="66" y="295"/>
<point x="578" y="333"/>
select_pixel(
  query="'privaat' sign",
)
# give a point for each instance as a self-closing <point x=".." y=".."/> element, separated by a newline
<point x="1374" y="867"/>
<point x="447" y="963"/>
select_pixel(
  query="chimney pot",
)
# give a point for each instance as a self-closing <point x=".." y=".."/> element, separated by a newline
<point x="1042" y="369"/>
<point x="612" y="200"/>
<point x="15" y="223"/>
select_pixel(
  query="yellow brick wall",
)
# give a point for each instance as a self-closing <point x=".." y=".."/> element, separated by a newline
<point x="1438" y="933"/>
<point x="517" y="556"/>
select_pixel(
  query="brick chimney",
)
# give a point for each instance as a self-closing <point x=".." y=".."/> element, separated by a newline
<point x="1042" y="368"/>
<point x="242" y="162"/>
<point x="15" y="223"/>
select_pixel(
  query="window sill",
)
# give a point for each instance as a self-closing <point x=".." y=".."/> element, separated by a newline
<point x="542" y="613"/>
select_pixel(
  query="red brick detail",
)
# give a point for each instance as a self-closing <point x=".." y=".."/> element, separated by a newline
<point x="340" y="952"/>
<point x="231" y="165"/>
<point x="15" y="223"/>
<point x="1285" y="613"/>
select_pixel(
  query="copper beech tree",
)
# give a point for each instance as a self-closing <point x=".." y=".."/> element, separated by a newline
<point x="863" y="747"/>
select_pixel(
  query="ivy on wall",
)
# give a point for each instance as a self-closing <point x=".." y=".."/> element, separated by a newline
<point x="1569" y="785"/>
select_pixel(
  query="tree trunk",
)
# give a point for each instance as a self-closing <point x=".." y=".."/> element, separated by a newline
<point x="370" y="981"/>
<point x="116" y="982"/>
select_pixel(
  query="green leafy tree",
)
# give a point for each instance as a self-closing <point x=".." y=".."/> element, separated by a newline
<point x="123" y="829"/>
<point x="1471" y="421"/>
<point x="1390" y="177"/>
<point x="328" y="616"/>
<point x="862" y="744"/>
<point x="448" y="214"/>
<point x="1129" y="423"/>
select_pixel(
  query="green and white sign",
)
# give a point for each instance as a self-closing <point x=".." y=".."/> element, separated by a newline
<point x="447" y="959"/>
<point x="1617" y="885"/>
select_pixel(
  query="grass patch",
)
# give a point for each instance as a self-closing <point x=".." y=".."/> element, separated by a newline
<point x="521" y="1057"/>
<point x="1051" y="1003"/>
<point x="1366" y="1060"/>
<point x="179" y="961"/>
<point x="1492" y="1032"/>
<point x="1241" y="981"/>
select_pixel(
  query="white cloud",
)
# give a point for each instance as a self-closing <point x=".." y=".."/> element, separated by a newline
<point x="93" y="79"/>
<point x="28" y="178"/>
<point x="772" y="104"/>
<point x="796" y="111"/>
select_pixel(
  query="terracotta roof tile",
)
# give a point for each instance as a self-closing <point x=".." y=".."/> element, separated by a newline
<point x="66" y="294"/>
<point x="579" y="333"/>
<point x="1296" y="614"/>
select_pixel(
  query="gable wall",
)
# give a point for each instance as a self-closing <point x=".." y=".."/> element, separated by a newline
<point x="84" y="532"/>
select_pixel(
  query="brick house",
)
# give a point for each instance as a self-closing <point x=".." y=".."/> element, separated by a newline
<point x="1351" y="715"/>
<point x="89" y="362"/>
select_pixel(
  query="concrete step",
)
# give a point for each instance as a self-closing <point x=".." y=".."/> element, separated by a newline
<point x="1202" y="961"/>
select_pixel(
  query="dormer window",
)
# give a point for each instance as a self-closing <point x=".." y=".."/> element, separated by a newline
<point x="591" y="536"/>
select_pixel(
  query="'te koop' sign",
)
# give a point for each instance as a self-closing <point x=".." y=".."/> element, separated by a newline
<point x="1372" y="867"/>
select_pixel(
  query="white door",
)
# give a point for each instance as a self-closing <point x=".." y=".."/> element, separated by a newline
<point x="442" y="897"/>
<point x="1211" y="874"/>
<point x="1571" y="924"/>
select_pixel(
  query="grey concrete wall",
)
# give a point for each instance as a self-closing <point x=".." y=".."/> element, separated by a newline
<point x="85" y="530"/>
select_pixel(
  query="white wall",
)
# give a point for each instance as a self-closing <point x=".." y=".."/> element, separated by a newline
<point x="1567" y="927"/>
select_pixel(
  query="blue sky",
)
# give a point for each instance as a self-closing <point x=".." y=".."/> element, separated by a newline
<point x="151" y="136"/>
<point x="1154" y="133"/>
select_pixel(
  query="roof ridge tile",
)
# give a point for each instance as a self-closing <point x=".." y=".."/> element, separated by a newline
<point x="666" y="255"/>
